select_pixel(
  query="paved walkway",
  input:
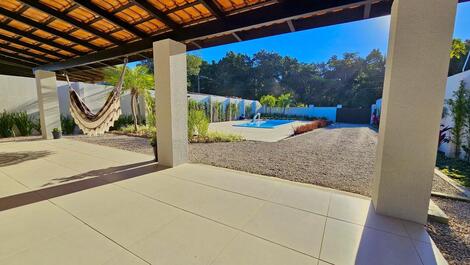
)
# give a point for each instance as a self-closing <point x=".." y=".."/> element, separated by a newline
<point x="92" y="211"/>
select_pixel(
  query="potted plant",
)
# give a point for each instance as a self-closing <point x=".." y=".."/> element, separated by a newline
<point x="56" y="133"/>
<point x="153" y="143"/>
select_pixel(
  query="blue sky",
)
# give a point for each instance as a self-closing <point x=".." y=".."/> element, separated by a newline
<point x="320" y="44"/>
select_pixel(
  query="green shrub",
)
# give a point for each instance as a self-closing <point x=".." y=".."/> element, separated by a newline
<point x="216" y="137"/>
<point x="150" y="107"/>
<point x="142" y="130"/>
<point x="198" y="124"/>
<point x="24" y="123"/>
<point x="122" y="121"/>
<point x="67" y="123"/>
<point x="6" y="124"/>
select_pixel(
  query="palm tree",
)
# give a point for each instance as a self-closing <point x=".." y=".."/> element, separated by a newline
<point x="137" y="81"/>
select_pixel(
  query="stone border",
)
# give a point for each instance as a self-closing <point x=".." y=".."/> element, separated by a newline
<point x="452" y="182"/>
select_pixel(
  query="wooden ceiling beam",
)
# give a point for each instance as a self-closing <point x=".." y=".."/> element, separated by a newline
<point x="29" y="35"/>
<point x="9" y="60"/>
<point x="31" y="46"/>
<point x="21" y="51"/>
<point x="110" y="17"/>
<point x="64" y="17"/>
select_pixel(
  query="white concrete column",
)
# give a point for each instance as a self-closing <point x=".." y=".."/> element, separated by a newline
<point x="413" y="96"/>
<point x="171" y="102"/>
<point x="48" y="102"/>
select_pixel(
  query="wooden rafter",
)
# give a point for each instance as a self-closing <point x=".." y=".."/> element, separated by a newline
<point x="63" y="16"/>
<point x="28" y="35"/>
<point x="44" y="27"/>
<point x="156" y="13"/>
<point x="34" y="47"/>
<point x="110" y="17"/>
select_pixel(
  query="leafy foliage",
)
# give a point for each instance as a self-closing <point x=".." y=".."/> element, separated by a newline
<point x="454" y="168"/>
<point x="122" y="121"/>
<point x="67" y="123"/>
<point x="6" y="124"/>
<point x="24" y="123"/>
<point x="459" y="108"/>
<point x="216" y="137"/>
<point x="458" y="55"/>
<point x="350" y="80"/>
<point x="198" y="124"/>
<point x="137" y="80"/>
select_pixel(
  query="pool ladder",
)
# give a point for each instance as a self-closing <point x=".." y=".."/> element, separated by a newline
<point x="257" y="116"/>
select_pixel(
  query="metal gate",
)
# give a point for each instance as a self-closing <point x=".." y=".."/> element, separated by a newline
<point x="353" y="115"/>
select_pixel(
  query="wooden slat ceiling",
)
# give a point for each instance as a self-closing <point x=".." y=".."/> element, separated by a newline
<point x="35" y="33"/>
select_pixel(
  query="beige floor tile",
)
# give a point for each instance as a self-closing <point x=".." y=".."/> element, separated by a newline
<point x="150" y="184"/>
<point x="302" y="197"/>
<point x="38" y="173"/>
<point x="417" y="232"/>
<point x="361" y="211"/>
<point x="226" y="207"/>
<point x="250" y="250"/>
<point x="28" y="226"/>
<point x="10" y="186"/>
<point x="239" y="182"/>
<point x="80" y="245"/>
<point x="189" y="239"/>
<point x="429" y="253"/>
<point x="119" y="214"/>
<point x="126" y="258"/>
<point x="296" y="229"/>
<point x="346" y="243"/>
<point x="321" y="262"/>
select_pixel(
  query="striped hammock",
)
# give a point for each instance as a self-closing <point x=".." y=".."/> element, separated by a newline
<point x="98" y="123"/>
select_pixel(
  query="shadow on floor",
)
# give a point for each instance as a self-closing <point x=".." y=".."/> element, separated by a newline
<point x="13" y="158"/>
<point x="99" y="178"/>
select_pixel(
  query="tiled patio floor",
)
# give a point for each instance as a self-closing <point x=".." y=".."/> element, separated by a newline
<point x="67" y="202"/>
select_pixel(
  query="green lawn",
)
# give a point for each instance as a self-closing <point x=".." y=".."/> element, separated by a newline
<point x="458" y="170"/>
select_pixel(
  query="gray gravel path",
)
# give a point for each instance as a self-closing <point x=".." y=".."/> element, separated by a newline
<point x="340" y="158"/>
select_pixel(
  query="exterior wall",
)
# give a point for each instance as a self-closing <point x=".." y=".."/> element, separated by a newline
<point x="453" y="83"/>
<point x="19" y="94"/>
<point x="310" y="111"/>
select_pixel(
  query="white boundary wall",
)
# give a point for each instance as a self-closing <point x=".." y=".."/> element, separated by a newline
<point x="19" y="94"/>
<point x="310" y="111"/>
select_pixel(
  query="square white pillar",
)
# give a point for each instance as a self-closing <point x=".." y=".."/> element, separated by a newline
<point x="413" y="96"/>
<point x="171" y="102"/>
<point x="48" y="102"/>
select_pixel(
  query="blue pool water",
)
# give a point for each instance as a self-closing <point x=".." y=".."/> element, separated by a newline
<point x="266" y="124"/>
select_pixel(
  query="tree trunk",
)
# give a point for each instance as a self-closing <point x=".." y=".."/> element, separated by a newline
<point x="133" y="109"/>
<point x="139" y="113"/>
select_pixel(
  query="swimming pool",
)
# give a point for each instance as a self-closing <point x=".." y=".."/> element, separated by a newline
<point x="265" y="124"/>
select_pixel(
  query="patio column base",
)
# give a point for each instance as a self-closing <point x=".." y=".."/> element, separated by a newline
<point x="413" y="96"/>
<point x="171" y="102"/>
<point x="48" y="102"/>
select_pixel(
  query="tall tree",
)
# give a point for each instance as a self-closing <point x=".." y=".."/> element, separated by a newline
<point x="136" y="80"/>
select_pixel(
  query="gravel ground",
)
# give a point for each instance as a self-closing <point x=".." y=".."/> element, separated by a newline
<point x="340" y="158"/>
<point x="454" y="239"/>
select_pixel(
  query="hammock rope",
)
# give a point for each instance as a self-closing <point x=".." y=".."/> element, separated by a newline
<point x="98" y="123"/>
